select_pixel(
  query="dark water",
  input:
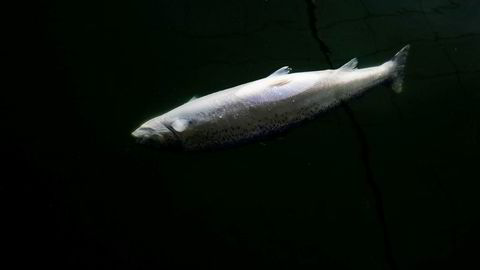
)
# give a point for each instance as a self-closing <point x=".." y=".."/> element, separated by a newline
<point x="383" y="182"/>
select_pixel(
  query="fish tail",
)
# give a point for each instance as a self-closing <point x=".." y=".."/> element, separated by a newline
<point x="399" y="61"/>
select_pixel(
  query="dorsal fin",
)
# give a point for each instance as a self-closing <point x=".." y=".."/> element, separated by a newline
<point x="281" y="71"/>
<point x="193" y="98"/>
<point x="352" y="64"/>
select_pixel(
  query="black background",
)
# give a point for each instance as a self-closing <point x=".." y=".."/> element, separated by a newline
<point x="383" y="182"/>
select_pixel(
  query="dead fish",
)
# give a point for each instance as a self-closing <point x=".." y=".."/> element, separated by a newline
<point x="267" y="105"/>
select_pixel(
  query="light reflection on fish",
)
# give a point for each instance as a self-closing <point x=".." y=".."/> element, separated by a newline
<point x="267" y="105"/>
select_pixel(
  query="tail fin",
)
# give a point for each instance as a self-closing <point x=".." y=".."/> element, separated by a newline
<point x="399" y="61"/>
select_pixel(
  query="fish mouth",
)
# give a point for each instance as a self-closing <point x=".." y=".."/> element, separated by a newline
<point x="145" y="135"/>
<point x="136" y="133"/>
<point x="142" y="132"/>
<point x="159" y="136"/>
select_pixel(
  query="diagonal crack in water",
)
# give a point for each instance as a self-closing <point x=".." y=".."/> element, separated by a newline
<point x="364" y="147"/>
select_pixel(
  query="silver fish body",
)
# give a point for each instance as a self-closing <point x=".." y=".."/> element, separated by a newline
<point x="267" y="105"/>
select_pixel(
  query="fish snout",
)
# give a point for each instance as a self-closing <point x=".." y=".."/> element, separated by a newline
<point x="141" y="132"/>
<point x="136" y="133"/>
<point x="147" y="135"/>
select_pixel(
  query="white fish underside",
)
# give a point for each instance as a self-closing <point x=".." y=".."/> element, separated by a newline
<point x="273" y="103"/>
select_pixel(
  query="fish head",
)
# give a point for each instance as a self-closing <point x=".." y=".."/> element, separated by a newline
<point x="155" y="132"/>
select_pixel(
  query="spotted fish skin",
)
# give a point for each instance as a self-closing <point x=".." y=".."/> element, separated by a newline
<point x="267" y="105"/>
